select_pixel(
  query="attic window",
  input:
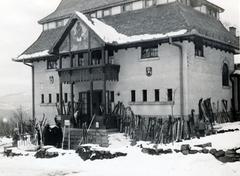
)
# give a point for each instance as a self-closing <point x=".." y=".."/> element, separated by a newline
<point x="99" y="14"/>
<point x="106" y="12"/>
<point x="127" y="7"/>
<point x="199" y="48"/>
<point x="93" y="15"/>
<point x="212" y="12"/>
<point x="149" y="52"/>
<point x="116" y="10"/>
<point x="137" y="5"/>
<point x="149" y="3"/>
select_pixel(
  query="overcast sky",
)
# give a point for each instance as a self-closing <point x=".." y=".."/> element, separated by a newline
<point x="19" y="29"/>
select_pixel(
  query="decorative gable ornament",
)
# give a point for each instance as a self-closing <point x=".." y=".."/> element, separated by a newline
<point x="149" y="71"/>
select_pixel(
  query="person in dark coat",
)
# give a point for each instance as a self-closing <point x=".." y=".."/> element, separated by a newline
<point x="59" y="133"/>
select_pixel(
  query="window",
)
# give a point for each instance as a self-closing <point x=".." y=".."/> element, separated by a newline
<point x="65" y="97"/>
<point x="45" y="26"/>
<point x="96" y="57"/>
<point x="52" y="25"/>
<point x="148" y="52"/>
<point x="199" y="48"/>
<point x="157" y="95"/>
<point x="57" y="98"/>
<point x="116" y="10"/>
<point x="144" y="95"/>
<point x="49" y="98"/>
<point x="133" y="96"/>
<point x="137" y="5"/>
<point x="106" y="12"/>
<point x="99" y="14"/>
<point x="65" y="21"/>
<point x="110" y="57"/>
<point x="161" y="1"/>
<point x="60" y="23"/>
<point x="42" y="98"/>
<point x="112" y="96"/>
<point x="93" y="15"/>
<point x="225" y="75"/>
<point x="170" y="94"/>
<point x="51" y="64"/>
<point x="83" y="102"/>
<point x="149" y="3"/>
<point x="127" y="7"/>
<point x="80" y="59"/>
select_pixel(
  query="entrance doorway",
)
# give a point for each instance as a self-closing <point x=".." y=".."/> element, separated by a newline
<point x="97" y="103"/>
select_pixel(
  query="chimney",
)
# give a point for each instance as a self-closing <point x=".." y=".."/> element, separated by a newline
<point x="233" y="30"/>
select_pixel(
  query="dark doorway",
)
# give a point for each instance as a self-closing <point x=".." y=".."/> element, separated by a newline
<point x="97" y="103"/>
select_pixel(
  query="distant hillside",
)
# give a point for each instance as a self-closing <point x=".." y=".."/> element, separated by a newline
<point x="9" y="103"/>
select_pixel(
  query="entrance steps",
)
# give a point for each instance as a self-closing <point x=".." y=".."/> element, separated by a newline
<point x="94" y="136"/>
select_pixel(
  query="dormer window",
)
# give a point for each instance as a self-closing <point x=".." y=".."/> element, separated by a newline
<point x="93" y="15"/>
<point x="106" y="12"/>
<point x="99" y="14"/>
<point x="149" y="3"/>
<point x="127" y="7"/>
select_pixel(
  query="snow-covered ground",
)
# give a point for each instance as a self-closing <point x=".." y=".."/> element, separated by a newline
<point x="135" y="163"/>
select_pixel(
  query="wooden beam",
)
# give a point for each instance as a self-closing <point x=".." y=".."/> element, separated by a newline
<point x="60" y="87"/>
<point x="104" y="84"/>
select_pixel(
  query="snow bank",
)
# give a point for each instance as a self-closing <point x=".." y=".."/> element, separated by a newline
<point x="5" y="141"/>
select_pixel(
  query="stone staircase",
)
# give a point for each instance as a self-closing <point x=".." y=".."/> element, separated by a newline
<point x="94" y="136"/>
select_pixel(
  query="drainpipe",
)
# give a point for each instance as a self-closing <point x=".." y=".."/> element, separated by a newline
<point x="183" y="79"/>
<point x="33" y="91"/>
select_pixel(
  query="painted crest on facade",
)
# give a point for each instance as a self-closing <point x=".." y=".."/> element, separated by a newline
<point x="149" y="71"/>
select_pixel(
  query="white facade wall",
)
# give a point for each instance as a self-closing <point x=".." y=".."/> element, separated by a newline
<point x="205" y="77"/>
<point x="204" y="80"/>
<point x="165" y="75"/>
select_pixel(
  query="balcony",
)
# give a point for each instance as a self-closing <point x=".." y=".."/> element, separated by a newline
<point x="94" y="72"/>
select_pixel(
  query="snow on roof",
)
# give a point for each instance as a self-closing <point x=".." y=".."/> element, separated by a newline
<point x="109" y="35"/>
<point x="34" y="55"/>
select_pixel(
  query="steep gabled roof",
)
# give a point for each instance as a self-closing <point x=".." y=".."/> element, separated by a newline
<point x="67" y="7"/>
<point x="159" y="19"/>
<point x="170" y="17"/>
<point x="44" y="41"/>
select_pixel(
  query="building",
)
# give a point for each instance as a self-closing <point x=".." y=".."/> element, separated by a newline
<point x="235" y="78"/>
<point x="159" y="57"/>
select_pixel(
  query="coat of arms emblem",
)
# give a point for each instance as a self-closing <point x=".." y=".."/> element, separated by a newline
<point x="149" y="71"/>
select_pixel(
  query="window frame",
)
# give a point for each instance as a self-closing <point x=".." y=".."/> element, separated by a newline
<point x="157" y="95"/>
<point x="52" y="64"/>
<point x="148" y="52"/>
<point x="144" y="95"/>
<point x="170" y="94"/>
<point x="112" y="97"/>
<point x="42" y="99"/>
<point x="65" y="97"/>
<point x="57" y="98"/>
<point x="133" y="95"/>
<point x="49" y="98"/>
<point x="225" y="75"/>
